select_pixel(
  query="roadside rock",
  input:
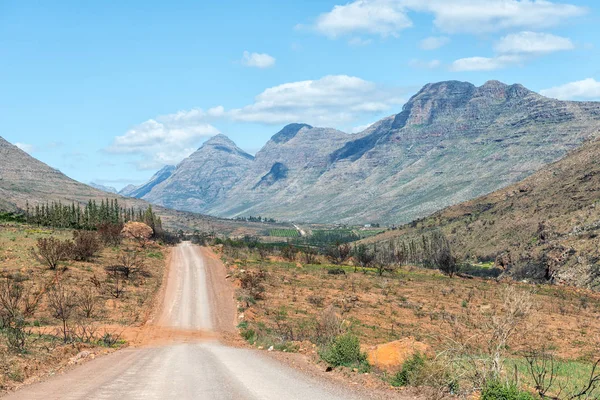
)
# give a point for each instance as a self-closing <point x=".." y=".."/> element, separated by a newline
<point x="81" y="356"/>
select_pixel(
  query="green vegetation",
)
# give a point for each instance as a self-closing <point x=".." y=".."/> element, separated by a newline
<point x="89" y="217"/>
<point x="285" y="233"/>
<point x="344" y="351"/>
<point x="410" y="368"/>
<point x="11" y="217"/>
<point x="327" y="237"/>
<point x="495" y="390"/>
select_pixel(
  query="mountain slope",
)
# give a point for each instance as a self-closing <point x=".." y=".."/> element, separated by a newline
<point x="452" y="142"/>
<point x="141" y="191"/>
<point x="203" y="178"/>
<point x="107" y="189"/>
<point x="545" y="227"/>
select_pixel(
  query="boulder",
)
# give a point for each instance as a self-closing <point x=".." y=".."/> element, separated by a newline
<point x="391" y="356"/>
<point x="137" y="231"/>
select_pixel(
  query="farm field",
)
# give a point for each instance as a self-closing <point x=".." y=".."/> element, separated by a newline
<point x="284" y="233"/>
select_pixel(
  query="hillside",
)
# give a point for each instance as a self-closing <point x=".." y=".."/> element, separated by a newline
<point x="545" y="227"/>
<point x="452" y="142"/>
<point x="24" y="179"/>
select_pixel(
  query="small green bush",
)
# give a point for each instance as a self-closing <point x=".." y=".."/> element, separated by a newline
<point x="500" y="391"/>
<point x="249" y="335"/>
<point x="344" y="351"/>
<point x="410" y="369"/>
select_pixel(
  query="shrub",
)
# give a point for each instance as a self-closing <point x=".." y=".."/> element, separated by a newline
<point x="51" y="251"/>
<point x="167" y="238"/>
<point x="289" y="252"/>
<point x="410" y="369"/>
<point x="338" y="254"/>
<point x="344" y="351"/>
<point x="85" y="245"/>
<point x="315" y="300"/>
<point x="110" y="234"/>
<point x="495" y="390"/>
<point x="329" y="326"/>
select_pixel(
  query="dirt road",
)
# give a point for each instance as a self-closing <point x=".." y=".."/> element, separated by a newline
<point x="196" y="299"/>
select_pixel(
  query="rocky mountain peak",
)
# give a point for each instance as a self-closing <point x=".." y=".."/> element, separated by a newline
<point x="220" y="140"/>
<point x="220" y="143"/>
<point x="288" y="132"/>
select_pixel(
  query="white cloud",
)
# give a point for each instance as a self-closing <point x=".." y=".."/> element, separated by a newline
<point x="533" y="43"/>
<point x="377" y="17"/>
<point x="165" y="140"/>
<point x="514" y="49"/>
<point x="484" y="63"/>
<point x="27" y="148"/>
<point x="478" y="16"/>
<point x="434" y="42"/>
<point x="585" y="89"/>
<point x="334" y="100"/>
<point x="421" y="64"/>
<point x="257" y="60"/>
<point x="329" y="101"/>
<point x="389" y="17"/>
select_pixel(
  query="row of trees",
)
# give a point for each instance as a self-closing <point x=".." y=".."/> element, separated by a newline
<point x="430" y="251"/>
<point x="90" y="216"/>
<point x="256" y="219"/>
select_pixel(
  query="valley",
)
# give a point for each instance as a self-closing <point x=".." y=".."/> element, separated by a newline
<point x="440" y="251"/>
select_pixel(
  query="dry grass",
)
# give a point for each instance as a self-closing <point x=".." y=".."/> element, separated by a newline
<point x="423" y="304"/>
<point x="45" y="352"/>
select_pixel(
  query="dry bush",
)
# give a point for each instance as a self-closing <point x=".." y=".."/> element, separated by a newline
<point x="289" y="252"/>
<point x="252" y="287"/>
<point x="309" y="256"/>
<point x="543" y="369"/>
<point x="115" y="283"/>
<point x="440" y="254"/>
<point x="50" y="251"/>
<point x="17" y="303"/>
<point x="86" y="245"/>
<point x="517" y="305"/>
<point x="88" y="302"/>
<point x="110" y="234"/>
<point x="363" y="257"/>
<point x="329" y="326"/>
<point x="130" y="262"/>
<point x="478" y="344"/>
<point x="85" y="331"/>
<point x="315" y="300"/>
<point x="138" y="231"/>
<point x="62" y="302"/>
<point x="339" y="254"/>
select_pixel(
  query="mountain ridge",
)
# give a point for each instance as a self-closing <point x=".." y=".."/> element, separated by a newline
<point x="452" y="141"/>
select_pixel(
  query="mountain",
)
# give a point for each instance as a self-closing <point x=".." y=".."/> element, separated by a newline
<point x="127" y="190"/>
<point x="107" y="189"/>
<point x="204" y="178"/>
<point x="452" y="141"/>
<point x="141" y="191"/>
<point x="26" y="180"/>
<point x="544" y="227"/>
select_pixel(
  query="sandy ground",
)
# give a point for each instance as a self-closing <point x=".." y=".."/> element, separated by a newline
<point x="180" y="354"/>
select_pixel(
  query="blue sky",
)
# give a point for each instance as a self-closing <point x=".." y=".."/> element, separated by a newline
<point x="110" y="91"/>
